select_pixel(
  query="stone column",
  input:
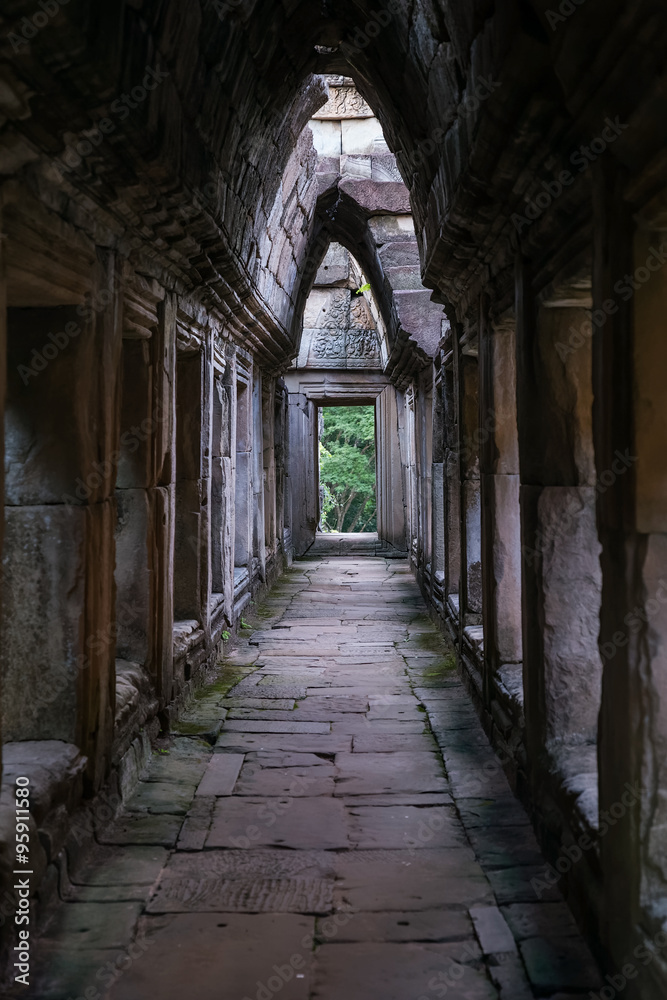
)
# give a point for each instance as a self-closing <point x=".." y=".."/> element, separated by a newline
<point x="269" y="469"/>
<point x="303" y="464"/>
<point x="451" y="474"/>
<point x="191" y="546"/>
<point x="423" y="456"/>
<point x="3" y="384"/>
<point x="161" y="496"/>
<point x="501" y="523"/>
<point x="222" y="492"/>
<point x="560" y="565"/>
<point x="471" y="534"/>
<point x="243" y="478"/>
<point x="391" y="505"/>
<point x="280" y="433"/>
<point x="438" y="486"/>
<point x="630" y="354"/>
<point x="258" y="556"/>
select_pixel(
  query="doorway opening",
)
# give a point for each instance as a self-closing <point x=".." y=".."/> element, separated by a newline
<point x="347" y="470"/>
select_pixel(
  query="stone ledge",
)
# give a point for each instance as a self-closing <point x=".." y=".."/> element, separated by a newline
<point x="55" y="770"/>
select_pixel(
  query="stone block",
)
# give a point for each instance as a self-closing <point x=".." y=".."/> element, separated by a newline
<point x="411" y="880"/>
<point x="221" y="774"/>
<point x="404" y="827"/>
<point x="391" y="229"/>
<point x="399" y="254"/>
<point x="373" y="197"/>
<point x="355" y="167"/>
<point x="402" y="277"/>
<point x="94" y="925"/>
<point x="560" y="964"/>
<point x="420" y="317"/>
<point x="42" y="650"/>
<point x="133" y="574"/>
<point x="296" y="823"/>
<point x="241" y="881"/>
<point x="327" y="138"/>
<point x="492" y="932"/>
<point x="362" y="137"/>
<point x="395" y="971"/>
<point x="245" y="953"/>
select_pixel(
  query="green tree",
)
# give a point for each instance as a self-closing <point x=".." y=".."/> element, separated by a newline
<point x="347" y="468"/>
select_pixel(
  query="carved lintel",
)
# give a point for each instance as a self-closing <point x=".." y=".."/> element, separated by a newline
<point x="344" y="102"/>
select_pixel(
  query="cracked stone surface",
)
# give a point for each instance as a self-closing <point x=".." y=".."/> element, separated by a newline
<point x="350" y="835"/>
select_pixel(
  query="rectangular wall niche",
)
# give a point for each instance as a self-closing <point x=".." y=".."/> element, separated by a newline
<point x="48" y="491"/>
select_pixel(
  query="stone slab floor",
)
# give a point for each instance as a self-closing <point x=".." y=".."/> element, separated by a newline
<point x="342" y="832"/>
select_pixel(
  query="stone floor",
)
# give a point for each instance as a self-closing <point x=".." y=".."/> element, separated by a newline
<point x="342" y="832"/>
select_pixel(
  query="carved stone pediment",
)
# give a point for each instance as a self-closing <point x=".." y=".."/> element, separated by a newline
<point x="344" y="102"/>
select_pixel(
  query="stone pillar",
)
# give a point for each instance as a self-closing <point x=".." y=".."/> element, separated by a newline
<point x="423" y="457"/>
<point x="560" y="565"/>
<point x="258" y="554"/>
<point x="269" y="420"/>
<point x="243" y="480"/>
<point x="471" y="515"/>
<point x="134" y="543"/>
<point x="499" y="474"/>
<point x="410" y="474"/>
<point x="438" y="486"/>
<point x="193" y="438"/>
<point x="3" y="384"/>
<point x="222" y="492"/>
<point x="161" y="496"/>
<point x="280" y="451"/>
<point x="629" y="303"/>
<point x="303" y="464"/>
<point x="391" y="506"/>
<point x="451" y="474"/>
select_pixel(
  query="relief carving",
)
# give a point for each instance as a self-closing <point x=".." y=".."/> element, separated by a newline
<point x="344" y="102"/>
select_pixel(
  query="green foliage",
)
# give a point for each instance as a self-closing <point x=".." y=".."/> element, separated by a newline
<point x="347" y="468"/>
<point x="363" y="288"/>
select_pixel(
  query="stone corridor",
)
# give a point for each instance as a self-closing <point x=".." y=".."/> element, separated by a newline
<point x="327" y="821"/>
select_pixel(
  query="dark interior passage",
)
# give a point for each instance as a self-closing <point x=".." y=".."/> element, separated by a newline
<point x="224" y="226"/>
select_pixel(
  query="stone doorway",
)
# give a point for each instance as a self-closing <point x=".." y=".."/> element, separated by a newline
<point x="347" y="470"/>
